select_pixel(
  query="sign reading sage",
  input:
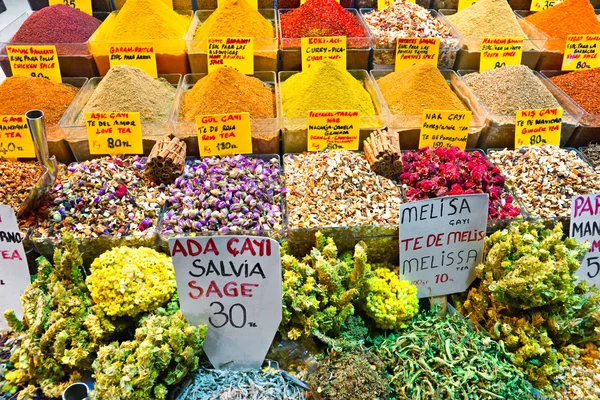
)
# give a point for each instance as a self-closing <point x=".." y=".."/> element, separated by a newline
<point x="585" y="226"/>
<point x="441" y="242"/>
<point x="232" y="284"/>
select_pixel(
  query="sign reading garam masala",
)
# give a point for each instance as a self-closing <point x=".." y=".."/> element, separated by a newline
<point x="445" y="129"/>
<point x="538" y="127"/>
<point x="334" y="130"/>
<point x="224" y="134"/>
<point x="236" y="53"/>
<point x="81" y="5"/>
<point x="585" y="226"/>
<point x="441" y="242"/>
<point x="15" y="138"/>
<point x="581" y="52"/>
<point x="14" y="273"/>
<point x="498" y="52"/>
<point x="36" y="61"/>
<point x="411" y="51"/>
<point x="114" y="132"/>
<point x="135" y="54"/>
<point x="541" y="5"/>
<point x="232" y="284"/>
<point x="317" y="49"/>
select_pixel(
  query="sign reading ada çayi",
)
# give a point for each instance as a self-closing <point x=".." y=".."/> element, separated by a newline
<point x="232" y="284"/>
<point x="585" y="226"/>
<point x="441" y="242"/>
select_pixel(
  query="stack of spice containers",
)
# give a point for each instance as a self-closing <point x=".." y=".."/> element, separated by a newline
<point x="234" y="19"/>
<point x="143" y="20"/>
<point x="317" y="18"/>
<point x="62" y="26"/>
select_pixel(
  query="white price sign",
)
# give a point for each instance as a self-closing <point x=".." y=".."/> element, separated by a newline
<point x="585" y="226"/>
<point x="232" y="284"/>
<point x="14" y="273"/>
<point x="441" y="241"/>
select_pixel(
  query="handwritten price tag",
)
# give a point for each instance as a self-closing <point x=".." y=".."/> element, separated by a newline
<point x="15" y="138"/>
<point x="445" y="129"/>
<point x="36" y="61"/>
<point x="585" y="227"/>
<point x="441" y="242"/>
<point x="224" y="134"/>
<point x="114" y="133"/>
<point x="232" y="284"/>
<point x="462" y="4"/>
<point x="538" y="127"/>
<point x="334" y="130"/>
<point x="498" y="52"/>
<point x="317" y="49"/>
<point x="411" y="51"/>
<point x="135" y="54"/>
<point x="237" y="53"/>
<point x="81" y="5"/>
<point x="581" y="52"/>
<point x="541" y="5"/>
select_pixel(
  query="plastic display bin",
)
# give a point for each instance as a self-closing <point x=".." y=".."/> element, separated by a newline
<point x="171" y="55"/>
<point x="265" y="49"/>
<point x="74" y="59"/>
<point x="469" y="54"/>
<point x="295" y="130"/>
<point x="76" y="133"/>
<point x="384" y="53"/>
<point x="358" y="49"/>
<point x="500" y="130"/>
<point x="265" y="131"/>
<point x="97" y="5"/>
<point x="409" y="126"/>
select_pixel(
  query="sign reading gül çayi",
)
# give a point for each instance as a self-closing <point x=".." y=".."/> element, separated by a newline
<point x="14" y="273"/>
<point x="538" y="127"/>
<point x="411" y="51"/>
<point x="498" y="52"/>
<point x="445" y="129"/>
<point x="36" y="61"/>
<point x="15" y="138"/>
<point x="236" y="53"/>
<point x="333" y="130"/>
<point x="581" y="52"/>
<point x="585" y="226"/>
<point x="317" y="49"/>
<point x="441" y="242"/>
<point x="224" y="134"/>
<point x="114" y="132"/>
<point x="134" y="54"/>
<point x="232" y="284"/>
<point x="81" y="5"/>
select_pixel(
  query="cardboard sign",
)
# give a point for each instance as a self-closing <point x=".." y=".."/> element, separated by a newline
<point x="462" y="4"/>
<point x="36" y="61"/>
<point x="317" y="49"/>
<point x="541" y="5"/>
<point x="581" y="52"/>
<point x="334" y="130"/>
<point x="498" y="52"/>
<point x="232" y="284"/>
<point x="134" y="54"/>
<point x="538" y="127"/>
<point x="411" y="51"/>
<point x="445" y="129"/>
<point x="14" y="273"/>
<point x="224" y="134"/>
<point x="15" y="138"/>
<point x="585" y="227"/>
<point x="114" y="132"/>
<point x="237" y="53"/>
<point x="441" y="242"/>
<point x="81" y="5"/>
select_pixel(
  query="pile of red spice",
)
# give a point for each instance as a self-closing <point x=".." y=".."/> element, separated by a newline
<point x="317" y="18"/>
<point x="583" y="87"/>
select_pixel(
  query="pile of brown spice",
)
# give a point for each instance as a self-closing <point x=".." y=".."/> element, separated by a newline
<point x="16" y="181"/>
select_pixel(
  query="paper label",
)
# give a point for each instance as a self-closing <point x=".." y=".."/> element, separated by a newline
<point x="441" y="242"/>
<point x="237" y="53"/>
<point x="232" y="284"/>
<point x="15" y="138"/>
<point x="134" y="54"/>
<point x="317" y="49"/>
<point x="253" y="3"/>
<point x="224" y="134"/>
<point x="14" y="274"/>
<point x="114" y="132"/>
<point x="334" y="130"/>
<point x="381" y="4"/>
<point x="585" y="226"/>
<point x="541" y="5"/>
<point x="81" y="5"/>
<point x="498" y="52"/>
<point x="445" y="129"/>
<point x="36" y="61"/>
<point x="462" y="4"/>
<point x="411" y="51"/>
<point x="538" y="127"/>
<point x="581" y="52"/>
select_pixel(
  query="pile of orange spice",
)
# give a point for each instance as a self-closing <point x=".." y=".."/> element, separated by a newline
<point x="583" y="87"/>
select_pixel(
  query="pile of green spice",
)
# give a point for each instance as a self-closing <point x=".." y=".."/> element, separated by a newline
<point x="583" y="87"/>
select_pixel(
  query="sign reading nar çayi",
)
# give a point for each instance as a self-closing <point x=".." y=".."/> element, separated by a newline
<point x="585" y="226"/>
<point x="232" y="284"/>
<point x="14" y="273"/>
<point x="441" y="242"/>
